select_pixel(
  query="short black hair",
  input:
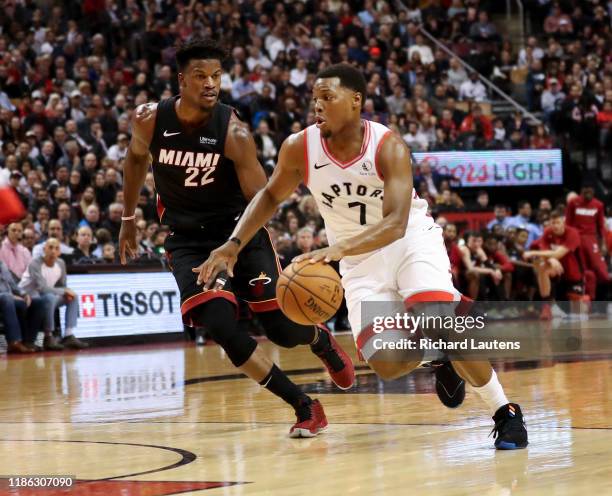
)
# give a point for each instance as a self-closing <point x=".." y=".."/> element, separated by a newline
<point x="350" y="77"/>
<point x="199" y="48"/>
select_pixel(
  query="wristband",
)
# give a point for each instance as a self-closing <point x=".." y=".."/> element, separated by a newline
<point x="131" y="217"/>
<point x="236" y="240"/>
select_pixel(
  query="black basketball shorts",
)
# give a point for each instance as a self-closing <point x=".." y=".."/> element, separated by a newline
<point x="255" y="272"/>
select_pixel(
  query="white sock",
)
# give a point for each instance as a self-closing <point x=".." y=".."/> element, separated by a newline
<point x="492" y="393"/>
<point x="68" y="332"/>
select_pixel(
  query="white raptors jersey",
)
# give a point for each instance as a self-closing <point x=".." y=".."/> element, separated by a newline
<point x="350" y="194"/>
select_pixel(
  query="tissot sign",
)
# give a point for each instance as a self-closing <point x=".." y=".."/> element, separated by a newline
<point x="126" y="303"/>
<point x="498" y="167"/>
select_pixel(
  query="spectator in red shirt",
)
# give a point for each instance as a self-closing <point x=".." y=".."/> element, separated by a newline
<point x="469" y="123"/>
<point x="557" y="258"/>
<point x="586" y="213"/>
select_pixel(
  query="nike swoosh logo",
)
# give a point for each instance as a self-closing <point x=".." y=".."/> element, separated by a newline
<point x="321" y="166"/>
<point x="167" y="134"/>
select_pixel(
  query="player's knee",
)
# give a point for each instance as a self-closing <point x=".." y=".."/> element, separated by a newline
<point x="284" y="332"/>
<point x="218" y="316"/>
<point x="391" y="370"/>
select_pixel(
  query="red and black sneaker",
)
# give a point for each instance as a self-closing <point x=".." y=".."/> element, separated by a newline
<point x="311" y="420"/>
<point x="336" y="360"/>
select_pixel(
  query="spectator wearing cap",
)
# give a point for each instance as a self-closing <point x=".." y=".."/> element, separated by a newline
<point x="118" y="151"/>
<point x="12" y="252"/>
<point x="551" y="97"/>
<point x="473" y="89"/>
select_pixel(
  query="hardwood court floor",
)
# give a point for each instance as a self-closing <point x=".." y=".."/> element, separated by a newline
<point x="169" y="419"/>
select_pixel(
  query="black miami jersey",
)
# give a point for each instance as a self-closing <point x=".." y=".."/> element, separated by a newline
<point x="196" y="184"/>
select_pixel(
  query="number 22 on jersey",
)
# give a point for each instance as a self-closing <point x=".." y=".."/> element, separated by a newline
<point x="196" y="177"/>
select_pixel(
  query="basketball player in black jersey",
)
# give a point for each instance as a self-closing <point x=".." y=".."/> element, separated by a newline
<point x="206" y="170"/>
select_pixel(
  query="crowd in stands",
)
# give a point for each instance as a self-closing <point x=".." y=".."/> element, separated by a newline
<point x="73" y="73"/>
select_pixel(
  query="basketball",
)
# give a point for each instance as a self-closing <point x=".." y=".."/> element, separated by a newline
<point x="309" y="293"/>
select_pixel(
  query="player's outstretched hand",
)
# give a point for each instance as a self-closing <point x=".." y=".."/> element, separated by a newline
<point x="222" y="259"/>
<point x="127" y="241"/>
<point x="326" y="255"/>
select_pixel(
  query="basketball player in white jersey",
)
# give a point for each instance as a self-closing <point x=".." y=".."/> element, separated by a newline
<point x="360" y="174"/>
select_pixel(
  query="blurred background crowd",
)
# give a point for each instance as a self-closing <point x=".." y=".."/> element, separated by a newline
<point x="72" y="74"/>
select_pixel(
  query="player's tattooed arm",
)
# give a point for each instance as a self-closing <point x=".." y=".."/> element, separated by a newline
<point x="396" y="166"/>
<point x="287" y="175"/>
<point x="241" y="149"/>
<point x="135" y="169"/>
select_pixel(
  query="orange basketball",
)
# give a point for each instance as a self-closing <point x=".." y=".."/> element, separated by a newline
<point x="309" y="293"/>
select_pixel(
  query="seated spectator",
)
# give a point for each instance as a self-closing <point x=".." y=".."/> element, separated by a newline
<point x="551" y="98"/>
<point x="29" y="239"/>
<point x="557" y="261"/>
<point x="83" y="252"/>
<point x="92" y="217"/>
<point x="304" y="243"/>
<point x="431" y="178"/>
<point x="12" y="252"/>
<point x="448" y="201"/>
<point x="501" y="217"/>
<point x="482" y="202"/>
<point x="452" y="249"/>
<point x="21" y="315"/>
<point x="557" y="22"/>
<point x="267" y="150"/>
<point x="523" y="220"/>
<point x="102" y="237"/>
<point x="415" y="139"/>
<point x="477" y="117"/>
<point x="109" y="253"/>
<point x="54" y="231"/>
<point x="541" y="140"/>
<point x="483" y="30"/>
<point x="523" y="287"/>
<point x="497" y="261"/>
<point x="477" y="276"/>
<point x="159" y="238"/>
<point x="46" y="277"/>
<point x="64" y="215"/>
<point x="473" y="89"/>
<point x="118" y="151"/>
<point x="113" y="222"/>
